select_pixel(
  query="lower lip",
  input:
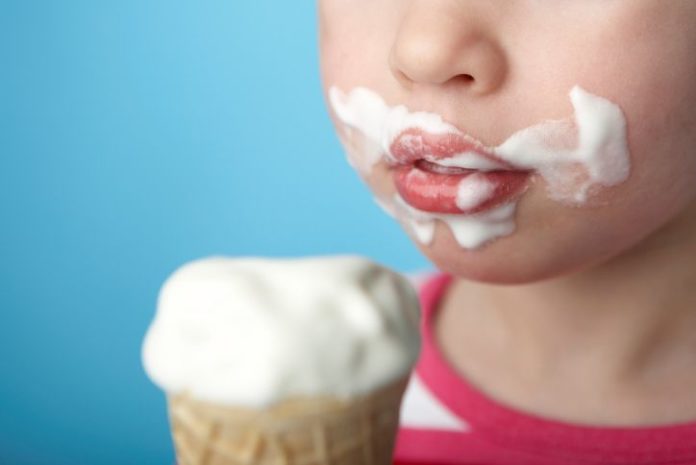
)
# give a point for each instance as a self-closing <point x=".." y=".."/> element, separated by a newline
<point x="437" y="192"/>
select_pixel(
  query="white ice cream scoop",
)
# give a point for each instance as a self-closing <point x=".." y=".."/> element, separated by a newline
<point x="254" y="331"/>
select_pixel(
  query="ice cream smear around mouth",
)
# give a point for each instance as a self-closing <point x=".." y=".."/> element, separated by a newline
<point x="252" y="331"/>
<point x="575" y="156"/>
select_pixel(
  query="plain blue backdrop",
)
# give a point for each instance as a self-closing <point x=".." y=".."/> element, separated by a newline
<point x="136" y="135"/>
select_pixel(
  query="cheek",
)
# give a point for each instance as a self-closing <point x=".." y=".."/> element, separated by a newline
<point x="650" y="76"/>
<point x="355" y="41"/>
<point x="661" y="115"/>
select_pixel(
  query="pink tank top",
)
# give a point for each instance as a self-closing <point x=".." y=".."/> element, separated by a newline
<point x="445" y="420"/>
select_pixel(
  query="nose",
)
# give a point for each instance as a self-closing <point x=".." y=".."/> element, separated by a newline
<point x="437" y="43"/>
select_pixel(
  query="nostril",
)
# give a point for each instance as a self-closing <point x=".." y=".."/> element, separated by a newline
<point x="466" y="78"/>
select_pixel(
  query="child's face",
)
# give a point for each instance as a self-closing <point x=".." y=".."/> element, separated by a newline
<point x="493" y="67"/>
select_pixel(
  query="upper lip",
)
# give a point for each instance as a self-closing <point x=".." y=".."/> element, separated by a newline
<point x="449" y="148"/>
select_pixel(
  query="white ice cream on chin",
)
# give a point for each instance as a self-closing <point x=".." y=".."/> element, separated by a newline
<point x="573" y="156"/>
<point x="470" y="231"/>
<point x="252" y="332"/>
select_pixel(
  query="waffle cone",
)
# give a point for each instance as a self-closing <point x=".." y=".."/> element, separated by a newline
<point x="301" y="431"/>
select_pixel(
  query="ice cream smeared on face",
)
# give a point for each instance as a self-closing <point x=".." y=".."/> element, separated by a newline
<point x="377" y="124"/>
<point x="575" y="157"/>
<point x="470" y="231"/>
<point x="598" y="158"/>
<point x="252" y="332"/>
<point x="472" y="191"/>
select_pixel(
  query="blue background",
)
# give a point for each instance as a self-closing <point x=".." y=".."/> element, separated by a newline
<point x="136" y="135"/>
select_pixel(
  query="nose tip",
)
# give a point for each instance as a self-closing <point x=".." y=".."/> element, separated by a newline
<point x="436" y="49"/>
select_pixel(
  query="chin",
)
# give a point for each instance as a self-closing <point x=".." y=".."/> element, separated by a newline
<point x="503" y="261"/>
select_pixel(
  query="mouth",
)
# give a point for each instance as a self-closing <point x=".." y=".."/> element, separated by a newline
<point x="452" y="173"/>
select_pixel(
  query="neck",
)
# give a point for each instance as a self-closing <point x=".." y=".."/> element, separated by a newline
<point x="617" y="322"/>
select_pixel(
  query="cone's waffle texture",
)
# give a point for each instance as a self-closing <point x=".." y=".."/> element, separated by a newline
<point x="305" y="431"/>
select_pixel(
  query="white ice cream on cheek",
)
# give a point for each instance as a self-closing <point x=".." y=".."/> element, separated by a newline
<point x="574" y="156"/>
<point x="366" y="114"/>
<point x="601" y="149"/>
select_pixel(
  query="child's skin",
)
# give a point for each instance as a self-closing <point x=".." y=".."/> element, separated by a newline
<point x="600" y="324"/>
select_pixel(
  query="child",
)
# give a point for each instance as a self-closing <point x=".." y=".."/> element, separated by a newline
<point x="541" y="154"/>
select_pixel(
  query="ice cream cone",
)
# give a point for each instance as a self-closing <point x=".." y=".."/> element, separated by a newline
<point x="301" y="431"/>
<point x="284" y="362"/>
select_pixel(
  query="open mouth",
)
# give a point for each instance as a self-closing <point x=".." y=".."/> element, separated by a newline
<point x="442" y="173"/>
<point x="432" y="167"/>
<point x="451" y="173"/>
